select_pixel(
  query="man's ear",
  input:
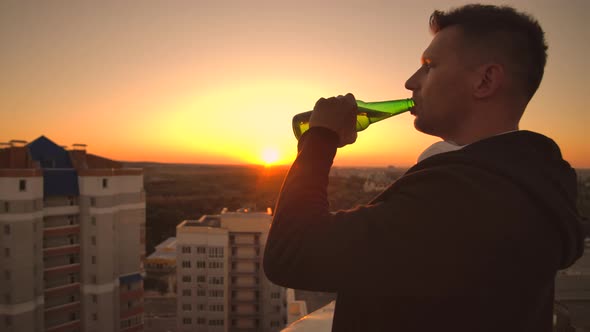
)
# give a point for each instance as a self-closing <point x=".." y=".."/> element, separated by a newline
<point x="490" y="77"/>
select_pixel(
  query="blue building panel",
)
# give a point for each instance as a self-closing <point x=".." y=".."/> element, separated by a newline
<point x="60" y="182"/>
<point x="49" y="154"/>
<point x="130" y="279"/>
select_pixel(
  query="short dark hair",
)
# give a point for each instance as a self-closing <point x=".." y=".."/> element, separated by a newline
<point x="515" y="37"/>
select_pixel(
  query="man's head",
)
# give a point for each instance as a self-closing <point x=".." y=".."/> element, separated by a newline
<point x="482" y="58"/>
<point x="503" y="35"/>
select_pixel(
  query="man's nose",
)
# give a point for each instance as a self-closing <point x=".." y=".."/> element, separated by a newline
<point x="412" y="82"/>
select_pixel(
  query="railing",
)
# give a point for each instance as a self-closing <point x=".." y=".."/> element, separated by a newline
<point x="63" y="307"/>
<point x="321" y="320"/>
<point x="67" y="326"/>
<point x="131" y="312"/>
<point x="61" y="230"/>
<point x="133" y="328"/>
<point x="62" y="250"/>
<point x="63" y="269"/>
<point x="63" y="288"/>
<point x="132" y="294"/>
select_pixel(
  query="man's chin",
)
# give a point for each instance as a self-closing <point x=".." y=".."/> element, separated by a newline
<point x="423" y="128"/>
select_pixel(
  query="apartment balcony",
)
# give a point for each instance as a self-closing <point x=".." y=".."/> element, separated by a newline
<point x="62" y="250"/>
<point x="63" y="269"/>
<point x="131" y="312"/>
<point x="66" y="307"/>
<point x="61" y="230"/>
<point x="133" y="328"/>
<point x="237" y="315"/>
<point x="244" y="273"/>
<point x="245" y="286"/>
<point x="131" y="295"/>
<point x="244" y="245"/>
<point x="62" y="289"/>
<point x="63" y="210"/>
<point x="245" y="258"/>
<point x="73" y="325"/>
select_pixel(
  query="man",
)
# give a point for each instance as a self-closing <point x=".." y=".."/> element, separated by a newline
<point x="471" y="237"/>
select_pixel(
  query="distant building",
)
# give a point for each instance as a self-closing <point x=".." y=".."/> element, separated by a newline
<point x="572" y="295"/>
<point x="161" y="264"/>
<point x="72" y="234"/>
<point x="221" y="285"/>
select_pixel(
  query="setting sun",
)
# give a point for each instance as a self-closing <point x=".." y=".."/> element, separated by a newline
<point x="270" y="156"/>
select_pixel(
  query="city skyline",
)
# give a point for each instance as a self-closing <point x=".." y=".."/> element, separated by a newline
<point x="218" y="83"/>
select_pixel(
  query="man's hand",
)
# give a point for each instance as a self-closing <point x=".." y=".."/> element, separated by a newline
<point x="337" y="114"/>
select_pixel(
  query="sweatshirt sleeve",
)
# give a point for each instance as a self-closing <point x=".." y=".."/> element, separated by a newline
<point x="309" y="247"/>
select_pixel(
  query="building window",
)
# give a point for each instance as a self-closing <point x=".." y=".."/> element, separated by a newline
<point x="8" y="321"/>
<point x="216" y="293"/>
<point x="201" y="250"/>
<point x="186" y="264"/>
<point x="94" y="298"/>
<point x="201" y="321"/>
<point x="105" y="183"/>
<point x="93" y="259"/>
<point x="6" y="252"/>
<point x="93" y="240"/>
<point x="200" y="292"/>
<point x="92" y="201"/>
<point x="22" y="185"/>
<point x="187" y="321"/>
<point x="93" y="221"/>
<point x="216" y="280"/>
<point x="275" y="295"/>
<point x="186" y="292"/>
<point x="7" y="275"/>
<point x="216" y="252"/>
<point x="216" y="265"/>
<point x="201" y="279"/>
<point x="7" y="298"/>
<point x="186" y="278"/>
<point x="201" y="264"/>
<point x="94" y="316"/>
<point x="187" y="307"/>
<point x="201" y="307"/>
<point x="6" y="229"/>
<point x="186" y="250"/>
<point x="94" y="279"/>
<point x="216" y="322"/>
<point x="275" y="323"/>
<point x="216" y="307"/>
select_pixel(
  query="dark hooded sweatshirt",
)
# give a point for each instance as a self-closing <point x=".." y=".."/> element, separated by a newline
<point x="468" y="240"/>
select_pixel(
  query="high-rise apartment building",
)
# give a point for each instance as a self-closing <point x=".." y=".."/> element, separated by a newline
<point x="220" y="282"/>
<point x="72" y="234"/>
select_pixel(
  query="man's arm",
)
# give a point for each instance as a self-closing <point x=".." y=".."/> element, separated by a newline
<point x="309" y="247"/>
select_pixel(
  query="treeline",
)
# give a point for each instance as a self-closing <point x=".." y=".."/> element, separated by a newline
<point x="179" y="192"/>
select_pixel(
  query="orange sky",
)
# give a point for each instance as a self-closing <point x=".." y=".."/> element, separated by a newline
<point x="219" y="81"/>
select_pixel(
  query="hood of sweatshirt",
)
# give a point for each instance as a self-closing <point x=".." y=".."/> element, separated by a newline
<point x="534" y="163"/>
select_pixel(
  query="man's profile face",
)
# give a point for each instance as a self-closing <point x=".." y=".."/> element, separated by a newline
<point x="441" y="86"/>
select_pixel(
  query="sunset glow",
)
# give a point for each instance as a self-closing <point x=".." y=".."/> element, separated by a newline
<point x="202" y="82"/>
<point x="270" y="156"/>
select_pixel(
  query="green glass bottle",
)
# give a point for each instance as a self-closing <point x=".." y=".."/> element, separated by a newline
<point x="368" y="113"/>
